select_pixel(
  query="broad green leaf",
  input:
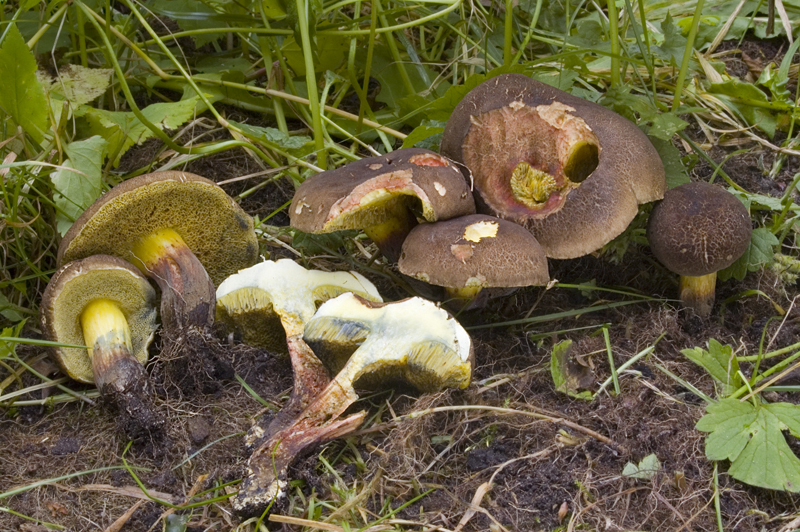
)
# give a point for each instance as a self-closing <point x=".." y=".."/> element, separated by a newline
<point x="424" y="137"/>
<point x="298" y="145"/>
<point x="748" y="101"/>
<point x="671" y="158"/>
<point x="77" y="84"/>
<point x="330" y="56"/>
<point x="759" y="253"/>
<point x="77" y="190"/>
<point x="666" y="125"/>
<point x="561" y="79"/>
<point x="750" y="436"/>
<point x="21" y="94"/>
<point x="647" y="468"/>
<point x="673" y="45"/>
<point x="7" y="310"/>
<point x="123" y="129"/>
<point x="568" y="376"/>
<point x="719" y="362"/>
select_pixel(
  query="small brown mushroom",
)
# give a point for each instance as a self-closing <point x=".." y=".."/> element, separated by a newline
<point x="570" y="171"/>
<point x="384" y="196"/>
<point x="695" y="231"/>
<point x="413" y="340"/>
<point x="470" y="253"/>
<point x="184" y="232"/>
<point x="105" y="303"/>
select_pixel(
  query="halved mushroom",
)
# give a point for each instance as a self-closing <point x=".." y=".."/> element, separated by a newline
<point x="470" y="253"/>
<point x="270" y="303"/>
<point x="384" y="196"/>
<point x="181" y="230"/>
<point x="103" y="302"/>
<point x="695" y="231"/>
<point x="570" y="171"/>
<point x="413" y="340"/>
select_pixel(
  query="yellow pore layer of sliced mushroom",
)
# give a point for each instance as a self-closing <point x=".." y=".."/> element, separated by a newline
<point x="413" y="340"/>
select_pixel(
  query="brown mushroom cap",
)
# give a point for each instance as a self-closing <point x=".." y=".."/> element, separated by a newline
<point x="356" y="195"/>
<point x="78" y="283"/>
<point x="698" y="229"/>
<point x="474" y="251"/>
<point x="213" y="226"/>
<point x="512" y="118"/>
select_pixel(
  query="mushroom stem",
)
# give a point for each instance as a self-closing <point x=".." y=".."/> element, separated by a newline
<point x="697" y="292"/>
<point x="187" y="292"/>
<point x="119" y="377"/>
<point x="390" y="234"/>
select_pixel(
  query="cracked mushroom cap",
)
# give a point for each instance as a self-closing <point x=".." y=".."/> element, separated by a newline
<point x="699" y="229"/>
<point x="77" y="284"/>
<point x="257" y="300"/>
<point x="413" y="340"/>
<point x="362" y="193"/>
<point x="213" y="226"/>
<point x="570" y="171"/>
<point x="475" y="251"/>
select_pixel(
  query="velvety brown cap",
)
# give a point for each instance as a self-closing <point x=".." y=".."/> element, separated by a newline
<point x="214" y="227"/>
<point x="474" y="251"/>
<point x="75" y="285"/>
<point x="698" y="229"/>
<point x="628" y="172"/>
<point x="326" y="201"/>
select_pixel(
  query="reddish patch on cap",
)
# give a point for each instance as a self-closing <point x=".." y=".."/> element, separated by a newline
<point x="428" y="159"/>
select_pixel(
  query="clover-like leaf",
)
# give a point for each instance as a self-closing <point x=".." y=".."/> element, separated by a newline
<point x="751" y="437"/>
<point x="719" y="362"/>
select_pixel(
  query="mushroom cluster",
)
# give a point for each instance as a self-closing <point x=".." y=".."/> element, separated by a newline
<point x="181" y="231"/>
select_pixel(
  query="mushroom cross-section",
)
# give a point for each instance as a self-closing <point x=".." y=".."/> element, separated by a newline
<point x="384" y="196"/>
<point x="695" y="231"/>
<point x="413" y="340"/>
<point x="181" y="230"/>
<point x="270" y="303"/>
<point x="105" y="303"/>
<point x="470" y="253"/>
<point x="570" y="171"/>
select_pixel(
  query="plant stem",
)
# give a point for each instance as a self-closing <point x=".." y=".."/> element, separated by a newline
<point x="311" y="83"/>
<point x="687" y="54"/>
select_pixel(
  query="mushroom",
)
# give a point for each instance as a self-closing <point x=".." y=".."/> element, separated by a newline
<point x="103" y="302"/>
<point x="184" y="232"/>
<point x="570" y="171"/>
<point x="384" y="196"/>
<point x="412" y="339"/>
<point x="695" y="231"/>
<point x="470" y="253"/>
<point x="270" y="303"/>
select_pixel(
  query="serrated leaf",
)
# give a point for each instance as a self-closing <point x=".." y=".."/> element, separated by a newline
<point x="647" y="468"/>
<point x="671" y="158"/>
<point x="568" y="376"/>
<point x="77" y="84"/>
<point x="21" y="94"/>
<point x="666" y="125"/>
<point x="719" y="362"/>
<point x="77" y="190"/>
<point x="673" y="46"/>
<point x="297" y="145"/>
<point x="760" y="252"/>
<point x="750" y="436"/>
<point x="123" y="129"/>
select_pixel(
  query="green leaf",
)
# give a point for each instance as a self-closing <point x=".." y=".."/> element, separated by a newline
<point x="77" y="84"/>
<point x="759" y="253"/>
<point x="666" y="125"/>
<point x="647" y="468"/>
<point x="77" y="190"/>
<point x="719" y="362"/>
<point x="21" y="94"/>
<point x="750" y="436"/>
<point x="298" y="145"/>
<point x="568" y="376"/>
<point x="123" y="129"/>
<point x="671" y="158"/>
<point x="673" y="46"/>
<point x="424" y="137"/>
<point x="7" y="310"/>
<point x="748" y="101"/>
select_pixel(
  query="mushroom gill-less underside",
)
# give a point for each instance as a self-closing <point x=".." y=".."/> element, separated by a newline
<point x="569" y="170"/>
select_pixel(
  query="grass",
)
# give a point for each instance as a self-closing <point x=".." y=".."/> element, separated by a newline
<point x="272" y="92"/>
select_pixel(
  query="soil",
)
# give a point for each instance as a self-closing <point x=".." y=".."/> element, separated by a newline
<point x="536" y="458"/>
